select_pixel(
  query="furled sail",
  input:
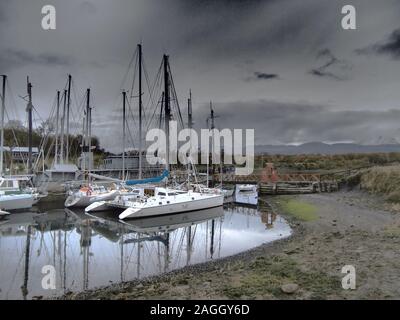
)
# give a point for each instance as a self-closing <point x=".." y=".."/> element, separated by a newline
<point x="148" y="180"/>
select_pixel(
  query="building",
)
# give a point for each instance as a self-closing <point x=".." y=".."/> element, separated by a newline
<point x="131" y="162"/>
<point x="20" y="154"/>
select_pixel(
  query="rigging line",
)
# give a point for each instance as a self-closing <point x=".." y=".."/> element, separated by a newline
<point x="159" y="102"/>
<point x="175" y="96"/>
<point x="128" y="127"/>
<point x="133" y="79"/>
<point x="151" y="119"/>
<point x="146" y="75"/>
<point x="15" y="138"/>
<point x="157" y="80"/>
<point x="12" y="100"/>
<point x="50" y="119"/>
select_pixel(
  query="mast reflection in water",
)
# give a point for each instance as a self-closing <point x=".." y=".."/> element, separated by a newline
<point x="89" y="251"/>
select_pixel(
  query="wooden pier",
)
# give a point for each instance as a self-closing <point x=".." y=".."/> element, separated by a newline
<point x="270" y="181"/>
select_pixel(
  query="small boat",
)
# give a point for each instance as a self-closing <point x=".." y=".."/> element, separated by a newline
<point x="12" y="197"/>
<point x="246" y="194"/>
<point x="86" y="195"/>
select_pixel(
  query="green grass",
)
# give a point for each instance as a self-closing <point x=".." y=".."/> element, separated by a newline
<point x="301" y="210"/>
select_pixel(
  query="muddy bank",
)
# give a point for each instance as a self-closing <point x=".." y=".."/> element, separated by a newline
<point x="330" y="231"/>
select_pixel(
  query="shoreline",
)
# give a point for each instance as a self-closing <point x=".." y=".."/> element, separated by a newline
<point x="348" y="230"/>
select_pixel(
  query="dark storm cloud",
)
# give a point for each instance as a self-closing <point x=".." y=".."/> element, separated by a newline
<point x="11" y="58"/>
<point x="390" y="46"/>
<point x="260" y="76"/>
<point x="333" y="68"/>
<point x="265" y="76"/>
<point x="207" y="40"/>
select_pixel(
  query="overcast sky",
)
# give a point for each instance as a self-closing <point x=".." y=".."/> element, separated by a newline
<point x="285" y="68"/>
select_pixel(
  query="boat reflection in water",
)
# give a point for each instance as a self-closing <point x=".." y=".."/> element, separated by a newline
<point x="89" y="251"/>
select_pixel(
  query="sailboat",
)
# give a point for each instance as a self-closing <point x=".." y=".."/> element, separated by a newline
<point x="89" y="192"/>
<point x="12" y="197"/>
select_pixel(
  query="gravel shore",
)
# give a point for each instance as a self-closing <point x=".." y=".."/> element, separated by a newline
<point x="349" y="228"/>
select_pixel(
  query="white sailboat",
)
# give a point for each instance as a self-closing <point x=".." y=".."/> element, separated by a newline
<point x="90" y="192"/>
<point x="11" y="195"/>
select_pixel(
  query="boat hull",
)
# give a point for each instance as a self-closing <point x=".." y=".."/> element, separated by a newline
<point x="246" y="194"/>
<point x="81" y="201"/>
<point x="201" y="203"/>
<point x="16" y="202"/>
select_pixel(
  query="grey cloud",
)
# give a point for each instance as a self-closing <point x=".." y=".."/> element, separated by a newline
<point x="279" y="123"/>
<point x="88" y="7"/>
<point x="333" y="67"/>
<point x="11" y="58"/>
<point x="390" y="46"/>
<point x="262" y="76"/>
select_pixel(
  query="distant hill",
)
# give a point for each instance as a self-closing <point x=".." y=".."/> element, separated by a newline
<point x="325" y="148"/>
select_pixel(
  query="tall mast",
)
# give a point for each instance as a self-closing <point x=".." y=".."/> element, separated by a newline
<point x="68" y="107"/>
<point x="140" y="110"/>
<point x="62" y="128"/>
<point x="167" y="109"/>
<point x="85" y="141"/>
<point x="123" y="134"/>
<point x="3" y="106"/>
<point x="89" y="128"/>
<point x="190" y="114"/>
<point x="212" y="145"/>
<point x="190" y="125"/>
<point x="57" y="121"/>
<point x="29" y="110"/>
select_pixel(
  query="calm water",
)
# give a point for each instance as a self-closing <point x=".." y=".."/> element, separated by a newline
<point x="88" y="251"/>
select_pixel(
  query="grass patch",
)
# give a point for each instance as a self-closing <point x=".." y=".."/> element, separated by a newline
<point x="383" y="180"/>
<point x="299" y="209"/>
<point x="264" y="277"/>
<point x="392" y="231"/>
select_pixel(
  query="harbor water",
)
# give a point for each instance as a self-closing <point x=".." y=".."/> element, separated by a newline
<point x="55" y="251"/>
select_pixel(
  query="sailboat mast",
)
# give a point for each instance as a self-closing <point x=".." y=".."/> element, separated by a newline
<point x="167" y="108"/>
<point x="212" y="145"/>
<point x="190" y="114"/>
<point x="68" y="107"/>
<point x="3" y="106"/>
<point x="140" y="110"/>
<point x="57" y="121"/>
<point x="123" y="133"/>
<point x="86" y="133"/>
<point x="29" y="110"/>
<point x="190" y="125"/>
<point x="89" y="129"/>
<point x="62" y="127"/>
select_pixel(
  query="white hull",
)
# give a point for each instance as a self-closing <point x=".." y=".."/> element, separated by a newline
<point x="204" y="201"/>
<point x="80" y="200"/>
<point x="16" y="202"/>
<point x="161" y="204"/>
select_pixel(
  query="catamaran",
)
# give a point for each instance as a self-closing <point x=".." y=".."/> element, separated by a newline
<point x="164" y="201"/>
